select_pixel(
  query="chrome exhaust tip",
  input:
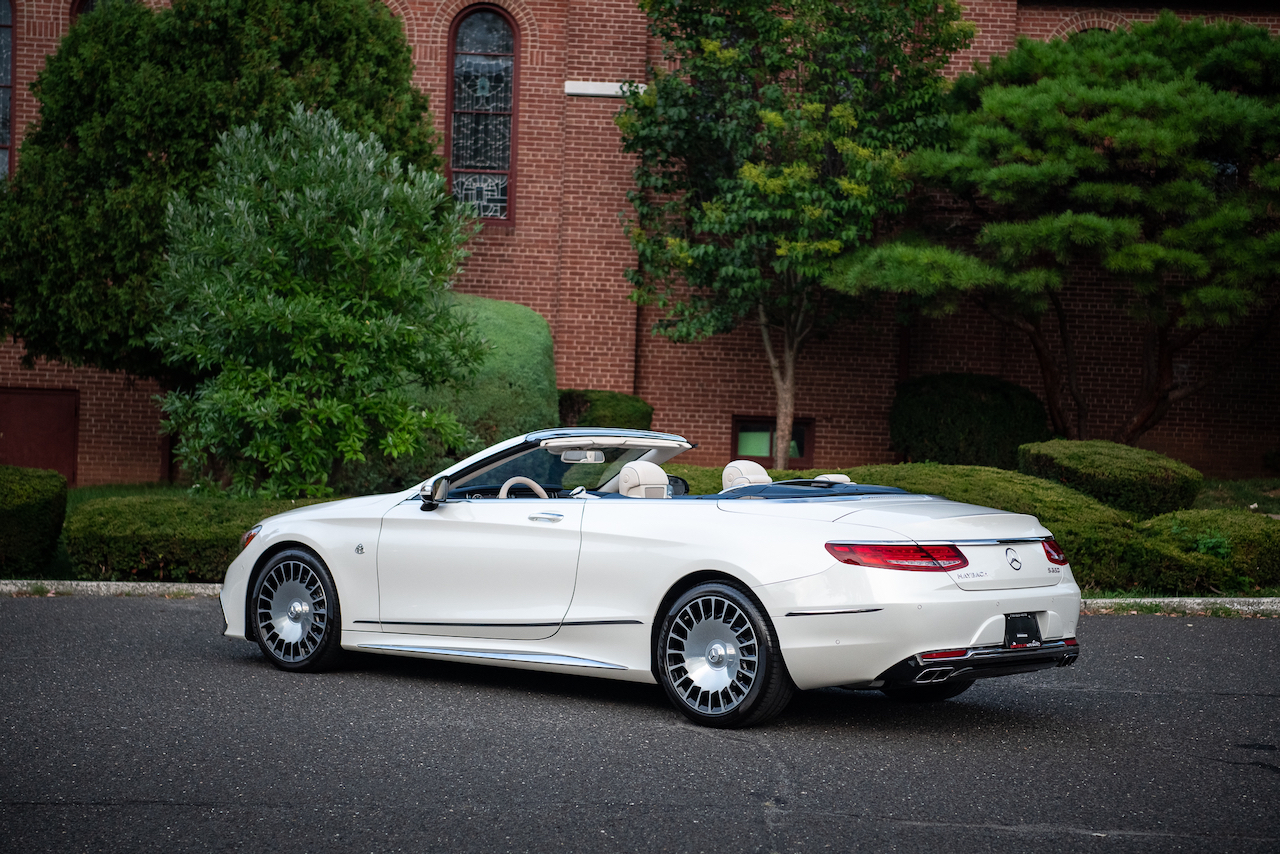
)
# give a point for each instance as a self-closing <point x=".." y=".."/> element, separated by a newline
<point x="933" y="674"/>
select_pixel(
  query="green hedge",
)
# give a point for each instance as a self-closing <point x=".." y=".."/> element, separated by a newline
<point x="1179" y="553"/>
<point x="514" y="391"/>
<point x="593" y="408"/>
<point x="163" y="538"/>
<point x="1140" y="482"/>
<point x="965" y="419"/>
<point x="33" y="504"/>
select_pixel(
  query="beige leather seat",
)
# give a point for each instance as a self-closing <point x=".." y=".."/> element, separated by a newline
<point x="743" y="473"/>
<point x="643" y="479"/>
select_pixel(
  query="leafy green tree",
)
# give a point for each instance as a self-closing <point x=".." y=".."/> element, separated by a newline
<point x="775" y="145"/>
<point x="131" y="106"/>
<point x="1150" y="154"/>
<point x="310" y="283"/>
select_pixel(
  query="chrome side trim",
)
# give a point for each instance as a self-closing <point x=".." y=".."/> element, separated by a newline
<point x="833" y="611"/>
<point x="496" y="655"/>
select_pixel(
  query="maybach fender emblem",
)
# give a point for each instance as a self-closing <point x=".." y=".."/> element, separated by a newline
<point x="1012" y="556"/>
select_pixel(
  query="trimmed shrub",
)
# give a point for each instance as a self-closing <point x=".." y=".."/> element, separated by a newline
<point x="33" y="504"/>
<point x="1239" y="550"/>
<point x="594" y="408"/>
<point x="163" y="538"/>
<point x="965" y="419"/>
<point x="514" y="389"/>
<point x="1140" y="482"/>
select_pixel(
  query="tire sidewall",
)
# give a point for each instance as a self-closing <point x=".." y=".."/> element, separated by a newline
<point x="330" y="643"/>
<point x="766" y="643"/>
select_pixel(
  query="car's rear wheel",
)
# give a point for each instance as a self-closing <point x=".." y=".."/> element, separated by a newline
<point x="295" y="614"/>
<point x="928" y="693"/>
<point x="718" y="659"/>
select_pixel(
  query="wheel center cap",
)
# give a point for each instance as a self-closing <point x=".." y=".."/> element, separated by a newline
<point x="718" y="654"/>
<point x="298" y="609"/>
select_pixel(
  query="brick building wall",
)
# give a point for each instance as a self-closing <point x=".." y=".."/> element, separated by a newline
<point x="563" y="253"/>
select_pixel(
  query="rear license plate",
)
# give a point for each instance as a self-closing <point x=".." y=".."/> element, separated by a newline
<point x="1021" y="631"/>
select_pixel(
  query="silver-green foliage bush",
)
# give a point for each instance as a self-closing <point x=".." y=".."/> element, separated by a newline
<point x="309" y="285"/>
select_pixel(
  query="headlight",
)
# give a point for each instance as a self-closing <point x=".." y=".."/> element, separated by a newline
<point x="249" y="535"/>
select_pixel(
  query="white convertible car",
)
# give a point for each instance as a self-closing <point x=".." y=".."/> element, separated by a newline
<point x="571" y="551"/>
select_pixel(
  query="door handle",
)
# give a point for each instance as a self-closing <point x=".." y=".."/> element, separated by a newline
<point x="546" y="517"/>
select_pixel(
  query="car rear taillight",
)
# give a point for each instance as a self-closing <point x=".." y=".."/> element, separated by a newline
<point x="945" y="653"/>
<point x="1054" y="552"/>
<point x="933" y="558"/>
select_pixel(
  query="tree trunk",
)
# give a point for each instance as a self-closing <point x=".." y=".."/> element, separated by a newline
<point x="783" y="368"/>
<point x="1160" y="391"/>
<point x="1050" y="373"/>
<point x="1073" y="373"/>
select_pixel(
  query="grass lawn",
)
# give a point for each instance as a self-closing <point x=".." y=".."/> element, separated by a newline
<point x="1240" y="494"/>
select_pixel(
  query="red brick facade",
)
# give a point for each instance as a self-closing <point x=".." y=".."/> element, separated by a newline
<point x="564" y="253"/>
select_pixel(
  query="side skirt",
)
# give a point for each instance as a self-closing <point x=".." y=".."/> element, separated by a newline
<point x="477" y="651"/>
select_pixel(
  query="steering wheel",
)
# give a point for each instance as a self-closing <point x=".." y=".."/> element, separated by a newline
<point x="523" y="481"/>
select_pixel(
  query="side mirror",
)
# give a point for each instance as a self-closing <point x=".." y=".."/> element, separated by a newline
<point x="437" y="495"/>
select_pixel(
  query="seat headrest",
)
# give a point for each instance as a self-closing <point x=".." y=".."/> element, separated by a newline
<point x="834" y="478"/>
<point x="743" y="472"/>
<point x="643" y="479"/>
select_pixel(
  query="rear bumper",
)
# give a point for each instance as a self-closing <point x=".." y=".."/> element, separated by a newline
<point x="979" y="663"/>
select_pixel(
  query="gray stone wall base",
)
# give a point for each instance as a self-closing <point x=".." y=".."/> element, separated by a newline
<point x="21" y="587"/>
<point x="24" y="587"/>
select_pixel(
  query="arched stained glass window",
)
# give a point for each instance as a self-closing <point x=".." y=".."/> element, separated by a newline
<point x="483" y="111"/>
<point x="6" y="86"/>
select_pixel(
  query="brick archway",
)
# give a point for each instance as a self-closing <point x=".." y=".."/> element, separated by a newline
<point x="1092" y="19"/>
<point x="436" y="37"/>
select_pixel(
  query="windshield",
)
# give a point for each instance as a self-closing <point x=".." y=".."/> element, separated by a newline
<point x="544" y="466"/>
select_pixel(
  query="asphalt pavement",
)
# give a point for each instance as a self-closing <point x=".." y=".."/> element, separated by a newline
<point x="130" y="724"/>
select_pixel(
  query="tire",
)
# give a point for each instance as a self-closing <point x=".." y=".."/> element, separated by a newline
<point x="928" y="693"/>
<point x="294" y="613"/>
<point x="717" y="658"/>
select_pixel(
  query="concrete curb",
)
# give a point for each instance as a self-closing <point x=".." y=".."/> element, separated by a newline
<point x="1254" y="606"/>
<point x="22" y="587"/>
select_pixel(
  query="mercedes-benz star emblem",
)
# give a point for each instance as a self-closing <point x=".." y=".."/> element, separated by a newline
<point x="1012" y="556"/>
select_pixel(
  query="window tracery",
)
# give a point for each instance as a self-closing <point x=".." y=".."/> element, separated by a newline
<point x="482" y="111"/>
<point x="6" y="86"/>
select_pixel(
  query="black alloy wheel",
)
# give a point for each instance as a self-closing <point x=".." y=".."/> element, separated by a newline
<point x="294" y="612"/>
<point x="718" y="659"/>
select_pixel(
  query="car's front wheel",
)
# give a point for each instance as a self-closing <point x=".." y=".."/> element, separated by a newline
<point x="294" y="608"/>
<point x="718" y="659"/>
